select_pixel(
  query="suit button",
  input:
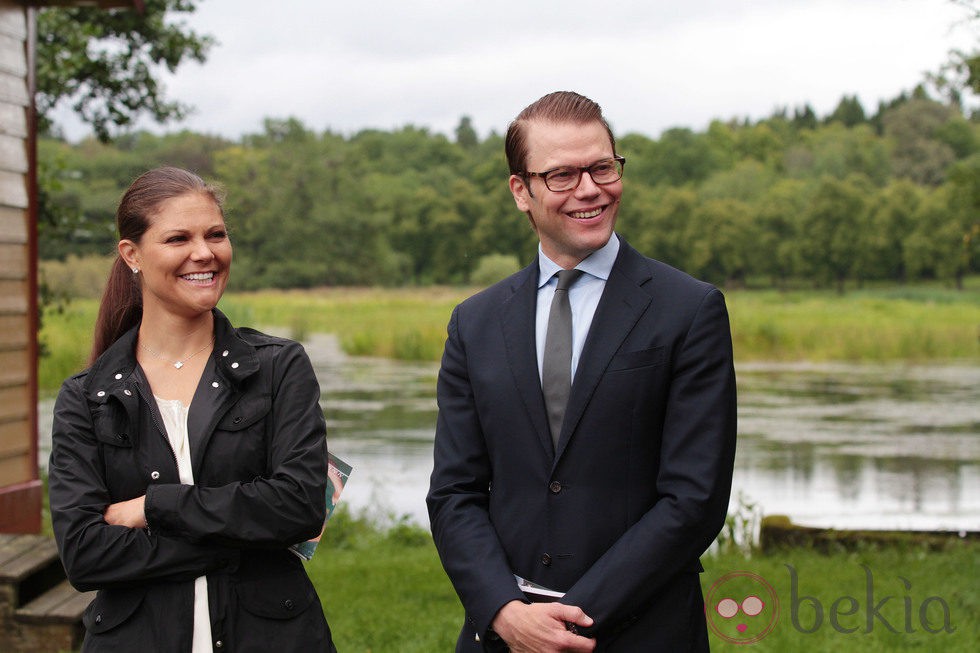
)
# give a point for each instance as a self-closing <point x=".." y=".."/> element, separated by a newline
<point x="555" y="487"/>
<point x="219" y="644"/>
<point x="546" y="560"/>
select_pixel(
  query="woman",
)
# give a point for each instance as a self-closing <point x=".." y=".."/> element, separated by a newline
<point x="190" y="455"/>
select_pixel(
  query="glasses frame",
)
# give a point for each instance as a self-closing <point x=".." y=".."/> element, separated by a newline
<point x="621" y="160"/>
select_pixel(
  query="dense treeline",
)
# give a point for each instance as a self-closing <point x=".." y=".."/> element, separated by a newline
<point x="790" y="199"/>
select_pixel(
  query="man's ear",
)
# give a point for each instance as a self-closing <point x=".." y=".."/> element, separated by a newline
<point x="521" y="192"/>
<point x="129" y="253"/>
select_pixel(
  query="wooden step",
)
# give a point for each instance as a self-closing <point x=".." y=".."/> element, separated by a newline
<point x="61" y="604"/>
<point x="24" y="555"/>
<point x="39" y="611"/>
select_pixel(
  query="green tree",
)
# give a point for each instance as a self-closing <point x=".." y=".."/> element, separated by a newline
<point x="721" y="237"/>
<point x="891" y="222"/>
<point x="914" y="128"/>
<point x="833" y="226"/>
<point x="106" y="63"/>
<point x="466" y="136"/>
<point x="779" y="217"/>
<point x="848" y="112"/>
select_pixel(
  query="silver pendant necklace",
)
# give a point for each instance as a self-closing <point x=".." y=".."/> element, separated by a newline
<point x="178" y="363"/>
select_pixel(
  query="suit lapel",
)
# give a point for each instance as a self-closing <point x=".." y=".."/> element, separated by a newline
<point x="517" y="319"/>
<point x="623" y="302"/>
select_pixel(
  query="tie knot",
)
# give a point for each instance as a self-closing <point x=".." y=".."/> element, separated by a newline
<point x="567" y="277"/>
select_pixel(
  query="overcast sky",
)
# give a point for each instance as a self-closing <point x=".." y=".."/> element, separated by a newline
<point x="651" y="64"/>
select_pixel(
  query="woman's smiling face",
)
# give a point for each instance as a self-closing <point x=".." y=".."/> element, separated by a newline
<point x="184" y="257"/>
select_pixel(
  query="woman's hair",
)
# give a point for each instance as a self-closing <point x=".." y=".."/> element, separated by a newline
<point x="122" y="302"/>
<point x="557" y="107"/>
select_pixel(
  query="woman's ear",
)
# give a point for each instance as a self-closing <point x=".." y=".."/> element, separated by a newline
<point x="129" y="253"/>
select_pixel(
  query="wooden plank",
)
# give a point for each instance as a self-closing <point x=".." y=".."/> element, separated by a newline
<point x="13" y="21"/>
<point x="61" y="604"/>
<point x="13" y="154"/>
<point x="14" y="402"/>
<point x="13" y="58"/>
<point x="14" y="333"/>
<point x="20" y="507"/>
<point x="13" y="224"/>
<point x="13" y="434"/>
<point x="14" y="546"/>
<point x="13" y="189"/>
<point x="15" y="368"/>
<point x="13" y="89"/>
<point x="13" y="261"/>
<point x="13" y="297"/>
<point x="40" y="554"/>
<point x="13" y="120"/>
<point x="14" y="442"/>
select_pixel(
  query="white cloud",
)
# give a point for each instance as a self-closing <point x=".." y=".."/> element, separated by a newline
<point x="651" y="64"/>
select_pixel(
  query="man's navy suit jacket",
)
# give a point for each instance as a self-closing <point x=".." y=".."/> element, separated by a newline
<point x="618" y="516"/>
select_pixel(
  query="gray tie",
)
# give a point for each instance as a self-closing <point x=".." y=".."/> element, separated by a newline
<point x="556" y="370"/>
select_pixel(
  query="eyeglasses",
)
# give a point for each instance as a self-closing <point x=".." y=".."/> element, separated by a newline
<point x="605" y="171"/>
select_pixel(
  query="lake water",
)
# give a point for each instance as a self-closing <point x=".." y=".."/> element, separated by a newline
<point x="836" y="445"/>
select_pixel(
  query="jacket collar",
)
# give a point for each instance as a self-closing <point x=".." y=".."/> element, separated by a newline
<point x="114" y="372"/>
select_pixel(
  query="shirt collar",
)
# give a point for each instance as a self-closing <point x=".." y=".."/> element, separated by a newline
<point x="599" y="263"/>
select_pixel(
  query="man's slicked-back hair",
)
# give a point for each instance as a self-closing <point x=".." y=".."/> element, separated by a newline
<point x="557" y="107"/>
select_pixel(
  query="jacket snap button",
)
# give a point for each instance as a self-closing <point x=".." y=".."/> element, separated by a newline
<point x="127" y="393"/>
<point x="238" y="420"/>
<point x="122" y="437"/>
<point x="100" y="393"/>
<point x="224" y="353"/>
<point x="154" y="475"/>
<point x="214" y="384"/>
<point x="118" y="376"/>
<point x="288" y="604"/>
<point x="219" y="644"/>
<point x="555" y="487"/>
<point x="98" y="618"/>
<point x="234" y="366"/>
<point x="546" y="560"/>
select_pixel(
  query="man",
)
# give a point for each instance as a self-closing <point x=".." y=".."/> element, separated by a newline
<point x="607" y="500"/>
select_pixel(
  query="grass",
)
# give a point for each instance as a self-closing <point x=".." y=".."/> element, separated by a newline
<point x="905" y="323"/>
<point x="384" y="591"/>
<point x="387" y="592"/>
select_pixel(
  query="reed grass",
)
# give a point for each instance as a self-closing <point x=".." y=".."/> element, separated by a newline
<point x="910" y="323"/>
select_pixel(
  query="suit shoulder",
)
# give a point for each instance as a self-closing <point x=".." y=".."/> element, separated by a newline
<point x="493" y="295"/>
<point x="662" y="270"/>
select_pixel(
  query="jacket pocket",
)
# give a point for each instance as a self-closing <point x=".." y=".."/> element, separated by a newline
<point x="630" y="360"/>
<point x="111" y="608"/>
<point x="250" y="410"/>
<point x="281" y="597"/>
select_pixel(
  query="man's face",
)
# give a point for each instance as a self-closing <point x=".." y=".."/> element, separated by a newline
<point x="574" y="223"/>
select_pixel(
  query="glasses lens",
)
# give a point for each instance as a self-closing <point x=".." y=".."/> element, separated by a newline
<point x="562" y="178"/>
<point x="606" y="171"/>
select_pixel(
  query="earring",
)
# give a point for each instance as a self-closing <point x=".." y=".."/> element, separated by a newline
<point x="136" y="270"/>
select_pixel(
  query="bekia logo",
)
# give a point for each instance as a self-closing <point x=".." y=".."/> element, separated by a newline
<point x="742" y="608"/>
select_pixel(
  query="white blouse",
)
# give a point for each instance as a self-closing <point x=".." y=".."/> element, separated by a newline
<point x="174" y="415"/>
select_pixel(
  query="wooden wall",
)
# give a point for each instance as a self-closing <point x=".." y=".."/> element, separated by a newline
<point x="20" y="491"/>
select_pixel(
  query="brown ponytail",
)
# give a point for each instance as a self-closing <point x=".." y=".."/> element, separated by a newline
<point x="122" y="302"/>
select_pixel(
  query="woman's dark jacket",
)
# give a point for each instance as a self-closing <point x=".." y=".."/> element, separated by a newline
<point x="259" y="456"/>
